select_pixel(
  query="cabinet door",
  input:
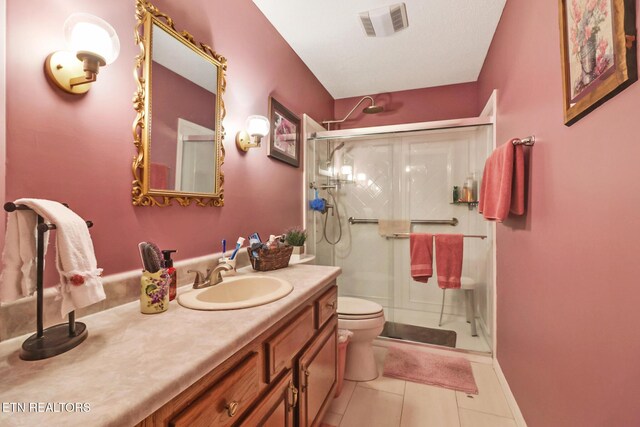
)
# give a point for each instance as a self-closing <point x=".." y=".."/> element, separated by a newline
<point x="276" y="408"/>
<point x="317" y="370"/>
<point x="224" y="402"/>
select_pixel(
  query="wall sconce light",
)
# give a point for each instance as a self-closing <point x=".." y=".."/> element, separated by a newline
<point x="257" y="127"/>
<point x="93" y="43"/>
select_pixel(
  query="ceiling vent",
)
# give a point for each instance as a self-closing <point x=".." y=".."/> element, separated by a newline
<point x="384" y="21"/>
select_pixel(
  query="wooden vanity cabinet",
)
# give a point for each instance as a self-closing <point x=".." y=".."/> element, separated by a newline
<point x="285" y="377"/>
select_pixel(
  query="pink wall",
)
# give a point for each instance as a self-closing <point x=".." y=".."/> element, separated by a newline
<point x="3" y="116"/>
<point x="79" y="149"/>
<point x="176" y="97"/>
<point x="567" y="272"/>
<point x="411" y="106"/>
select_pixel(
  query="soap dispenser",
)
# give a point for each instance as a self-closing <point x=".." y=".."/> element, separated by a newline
<point x="171" y="271"/>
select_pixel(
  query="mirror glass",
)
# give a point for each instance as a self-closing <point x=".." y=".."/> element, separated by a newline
<point x="183" y="146"/>
<point x="178" y="129"/>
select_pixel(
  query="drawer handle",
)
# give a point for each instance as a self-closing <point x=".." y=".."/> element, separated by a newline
<point x="294" y="395"/>
<point x="332" y="305"/>
<point x="232" y="408"/>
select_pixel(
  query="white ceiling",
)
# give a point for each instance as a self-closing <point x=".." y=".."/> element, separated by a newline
<point x="182" y="60"/>
<point x="446" y="42"/>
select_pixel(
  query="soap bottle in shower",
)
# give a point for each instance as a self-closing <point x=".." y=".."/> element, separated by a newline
<point x="467" y="190"/>
<point x="474" y="188"/>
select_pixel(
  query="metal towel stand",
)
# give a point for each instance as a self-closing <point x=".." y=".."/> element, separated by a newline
<point x="56" y="339"/>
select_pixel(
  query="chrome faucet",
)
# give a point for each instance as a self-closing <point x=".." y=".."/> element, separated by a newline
<point x="204" y="281"/>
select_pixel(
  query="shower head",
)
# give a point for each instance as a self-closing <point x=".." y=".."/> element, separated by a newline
<point x="372" y="109"/>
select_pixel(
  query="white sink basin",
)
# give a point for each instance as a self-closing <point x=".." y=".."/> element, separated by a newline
<point x="237" y="292"/>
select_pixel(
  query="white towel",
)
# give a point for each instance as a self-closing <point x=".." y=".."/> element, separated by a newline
<point x="389" y="227"/>
<point x="19" y="273"/>
<point x="80" y="282"/>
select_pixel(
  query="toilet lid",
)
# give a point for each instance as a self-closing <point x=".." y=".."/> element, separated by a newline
<point x="357" y="307"/>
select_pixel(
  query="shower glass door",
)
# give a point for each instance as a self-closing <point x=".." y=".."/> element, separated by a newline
<point x="407" y="177"/>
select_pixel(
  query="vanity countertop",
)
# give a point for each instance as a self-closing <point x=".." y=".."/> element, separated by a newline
<point x="132" y="364"/>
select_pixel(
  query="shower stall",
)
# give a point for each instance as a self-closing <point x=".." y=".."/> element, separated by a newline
<point x="407" y="173"/>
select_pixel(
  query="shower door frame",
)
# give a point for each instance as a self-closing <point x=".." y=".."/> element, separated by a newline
<point x="486" y="118"/>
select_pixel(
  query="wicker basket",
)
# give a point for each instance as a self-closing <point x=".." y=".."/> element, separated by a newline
<point x="271" y="259"/>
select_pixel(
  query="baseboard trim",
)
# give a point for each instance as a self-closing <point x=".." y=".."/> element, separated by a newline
<point x="511" y="400"/>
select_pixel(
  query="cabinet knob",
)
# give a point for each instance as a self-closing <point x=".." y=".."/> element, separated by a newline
<point x="232" y="408"/>
<point x="332" y="305"/>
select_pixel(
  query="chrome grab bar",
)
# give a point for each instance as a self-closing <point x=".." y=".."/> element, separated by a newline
<point x="452" y="222"/>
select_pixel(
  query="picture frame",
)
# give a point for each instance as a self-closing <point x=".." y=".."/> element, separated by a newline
<point x="599" y="53"/>
<point x="284" y="134"/>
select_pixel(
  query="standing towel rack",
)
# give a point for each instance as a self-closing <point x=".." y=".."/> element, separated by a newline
<point x="527" y="142"/>
<point x="56" y="339"/>
<point x="452" y="222"/>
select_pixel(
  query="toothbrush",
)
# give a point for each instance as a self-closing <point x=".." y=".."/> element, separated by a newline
<point x="238" y="246"/>
<point x="141" y="246"/>
<point x="224" y="247"/>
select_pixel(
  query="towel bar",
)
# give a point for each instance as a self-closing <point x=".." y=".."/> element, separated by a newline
<point x="56" y="339"/>
<point x="527" y="142"/>
<point x="406" y="236"/>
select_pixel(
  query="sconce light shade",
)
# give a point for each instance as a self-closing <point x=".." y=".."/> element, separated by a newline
<point x="93" y="43"/>
<point x="257" y="127"/>
<point x="88" y="33"/>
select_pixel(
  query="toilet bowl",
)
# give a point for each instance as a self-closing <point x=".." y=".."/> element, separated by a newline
<point x="366" y="320"/>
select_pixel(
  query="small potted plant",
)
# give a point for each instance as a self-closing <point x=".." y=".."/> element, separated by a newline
<point x="296" y="237"/>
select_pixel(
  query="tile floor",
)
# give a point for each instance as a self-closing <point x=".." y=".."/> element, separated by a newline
<point x="390" y="402"/>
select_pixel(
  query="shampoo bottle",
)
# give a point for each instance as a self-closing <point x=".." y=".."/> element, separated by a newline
<point x="468" y="189"/>
<point x="171" y="271"/>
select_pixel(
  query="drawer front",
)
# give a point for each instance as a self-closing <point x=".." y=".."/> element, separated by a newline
<point x="224" y="402"/>
<point x="284" y="345"/>
<point x="326" y="306"/>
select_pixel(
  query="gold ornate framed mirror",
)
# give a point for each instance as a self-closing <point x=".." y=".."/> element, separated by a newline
<point x="178" y="129"/>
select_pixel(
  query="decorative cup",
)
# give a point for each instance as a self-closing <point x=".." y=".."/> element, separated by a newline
<point x="154" y="291"/>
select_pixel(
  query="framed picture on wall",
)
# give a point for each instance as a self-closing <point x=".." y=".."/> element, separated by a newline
<point x="598" y="45"/>
<point x="284" y="135"/>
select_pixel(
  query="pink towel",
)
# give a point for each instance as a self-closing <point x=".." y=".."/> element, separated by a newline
<point x="159" y="176"/>
<point x="421" y="250"/>
<point x="449" y="260"/>
<point x="502" y="189"/>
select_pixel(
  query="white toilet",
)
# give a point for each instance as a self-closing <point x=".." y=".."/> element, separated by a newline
<point x="366" y="320"/>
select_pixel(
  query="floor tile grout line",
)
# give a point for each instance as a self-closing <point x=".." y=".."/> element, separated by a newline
<point x="404" y="393"/>
<point x="486" y="413"/>
<point x="349" y="401"/>
<point x="458" y="406"/>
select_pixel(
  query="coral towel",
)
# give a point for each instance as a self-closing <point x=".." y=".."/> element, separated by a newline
<point x="449" y="260"/>
<point x="502" y="189"/>
<point x="421" y="249"/>
<point x="80" y="282"/>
